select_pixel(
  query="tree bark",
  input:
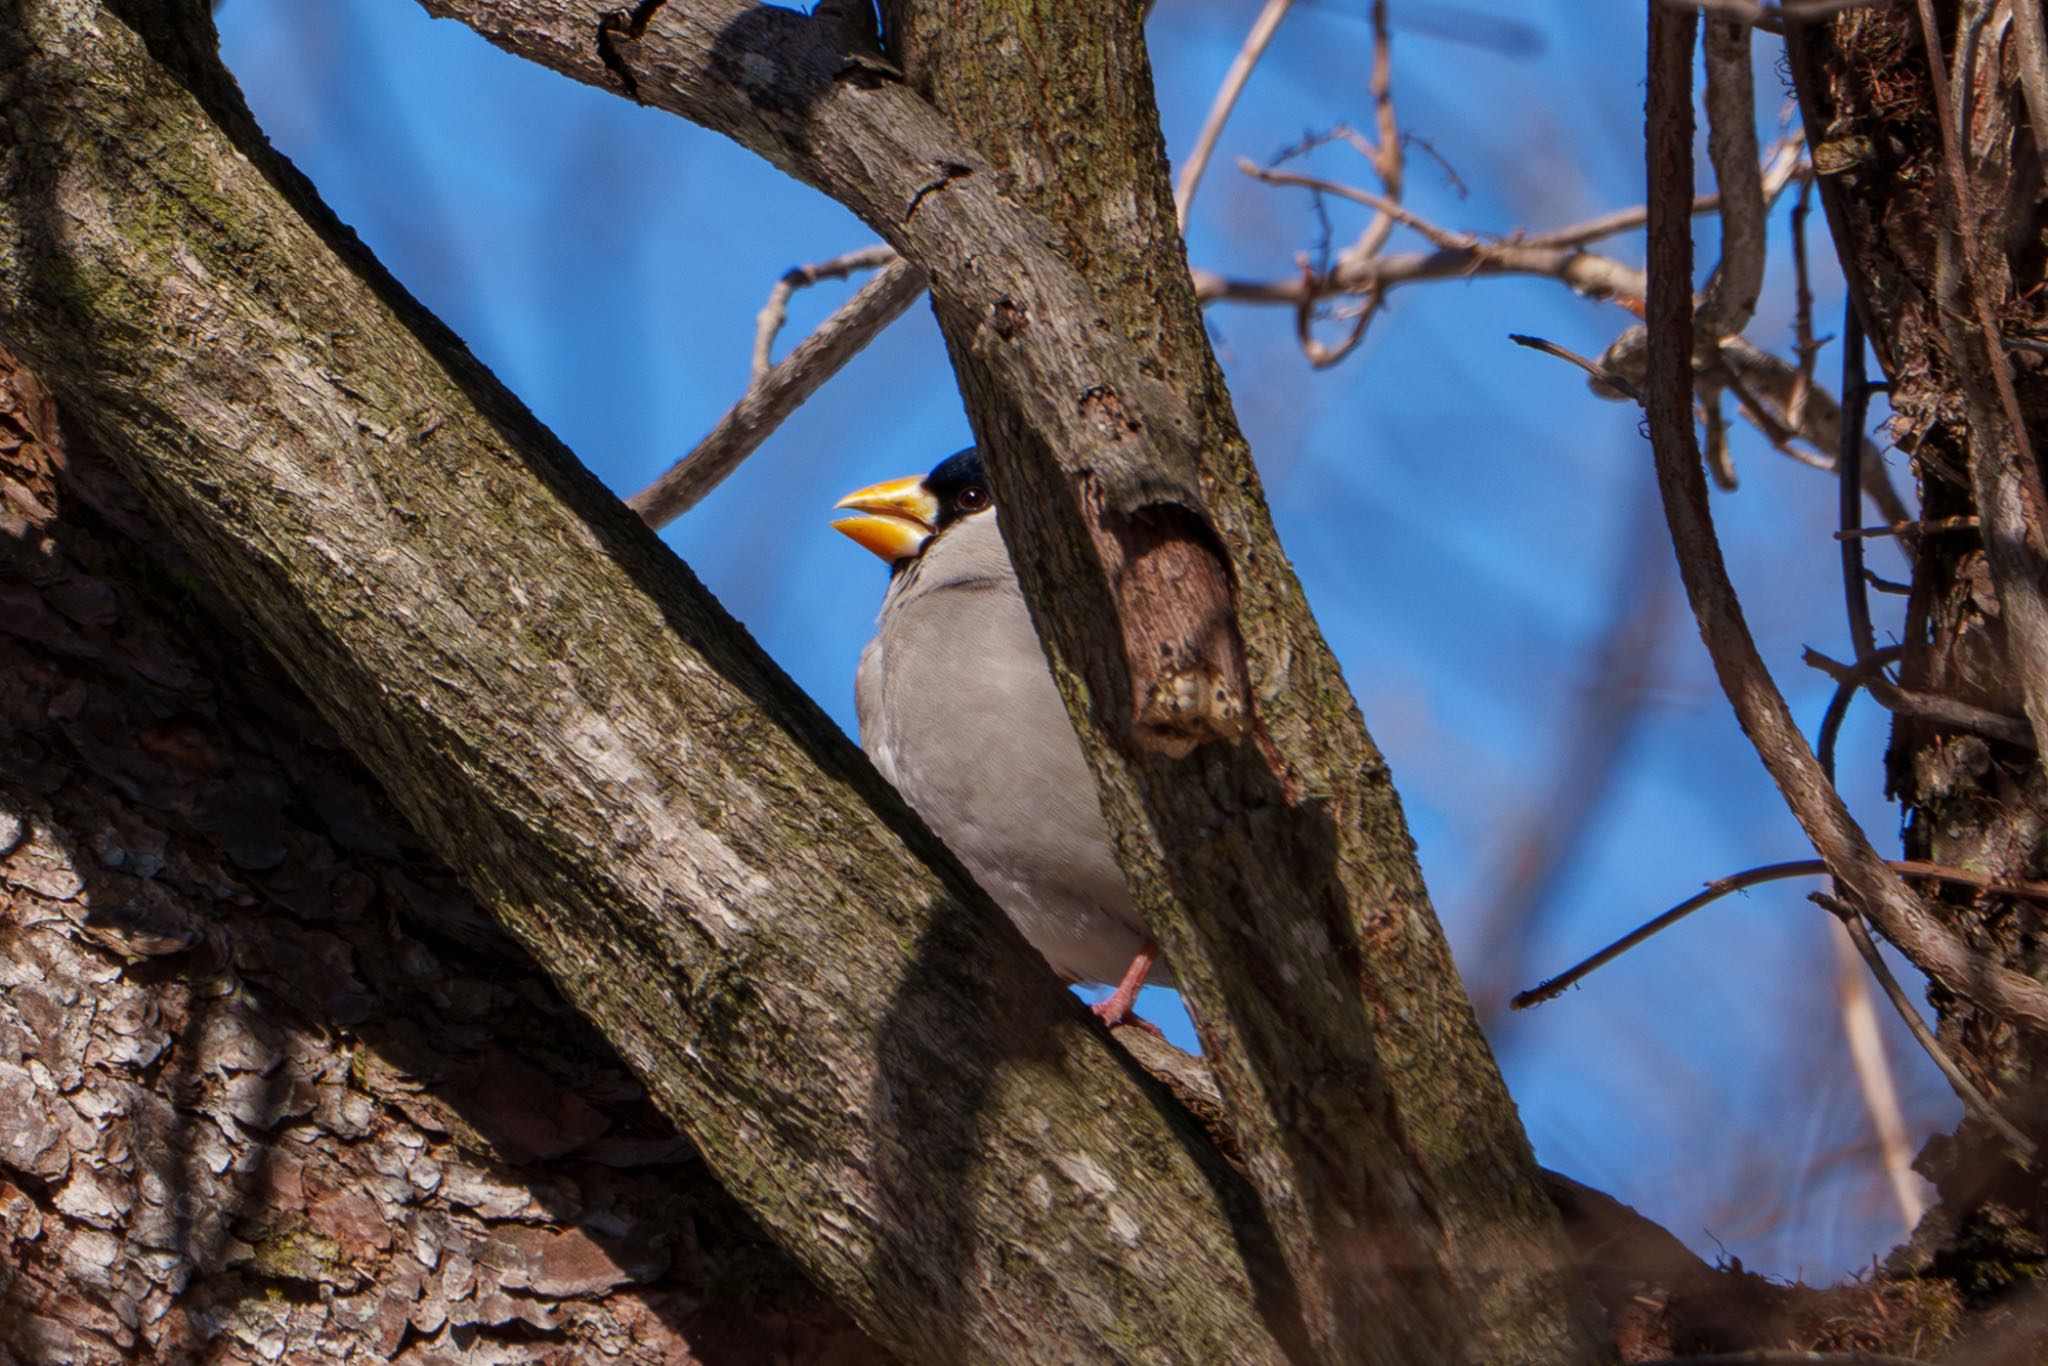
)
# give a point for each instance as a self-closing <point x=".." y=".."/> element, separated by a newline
<point x="863" y="1051"/>
<point x="1363" y="1092"/>
<point x="271" y="1084"/>
<point x="1867" y="86"/>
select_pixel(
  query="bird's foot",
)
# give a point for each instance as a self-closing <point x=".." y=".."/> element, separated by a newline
<point x="1115" y="1009"/>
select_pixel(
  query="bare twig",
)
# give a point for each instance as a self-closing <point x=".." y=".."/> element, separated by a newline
<point x="1774" y="382"/>
<point x="1946" y="711"/>
<point x="1714" y="429"/>
<point x="776" y="311"/>
<point x="1587" y="273"/>
<point x="1851" y="680"/>
<point x="1730" y="300"/>
<point x="1752" y="877"/>
<point x="1852" y="992"/>
<point x="1385" y="154"/>
<point x="1255" y="44"/>
<point x="1553" y="254"/>
<point x="1620" y="383"/>
<point x="1780" y="398"/>
<point x="1606" y="225"/>
<point x="1761" y="710"/>
<point x="1786" y="163"/>
<point x="2030" y="54"/>
<point x="776" y="395"/>
<point x="1974" y="1100"/>
<point x="1442" y="238"/>
<point x="1804" y="347"/>
<point x="1928" y="527"/>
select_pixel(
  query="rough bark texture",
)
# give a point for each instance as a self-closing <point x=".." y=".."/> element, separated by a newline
<point x="271" y="1084"/>
<point x="863" y="1051"/>
<point x="1866" y="87"/>
<point x="1373" y="1032"/>
<point x="1384" y="1147"/>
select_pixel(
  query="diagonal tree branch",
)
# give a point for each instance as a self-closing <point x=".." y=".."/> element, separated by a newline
<point x="777" y="392"/>
<point x="1233" y="852"/>
<point x="1123" y="448"/>
<point x="1362" y="1090"/>
<point x="852" y="1036"/>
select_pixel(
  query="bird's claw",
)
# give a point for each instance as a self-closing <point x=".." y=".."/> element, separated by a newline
<point x="1114" y="1012"/>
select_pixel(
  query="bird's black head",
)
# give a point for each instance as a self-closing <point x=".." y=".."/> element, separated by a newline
<point x="898" y="518"/>
<point x="960" y="487"/>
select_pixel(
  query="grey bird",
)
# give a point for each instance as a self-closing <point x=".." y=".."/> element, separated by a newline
<point x="959" y="710"/>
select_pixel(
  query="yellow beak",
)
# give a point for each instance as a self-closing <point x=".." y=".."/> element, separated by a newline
<point x="897" y="517"/>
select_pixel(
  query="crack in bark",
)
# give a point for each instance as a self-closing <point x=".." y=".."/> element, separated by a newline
<point x="630" y="24"/>
<point x="949" y="171"/>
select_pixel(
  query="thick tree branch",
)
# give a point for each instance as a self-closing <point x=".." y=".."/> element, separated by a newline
<point x="1300" y="839"/>
<point x="861" y="1048"/>
<point x="805" y="94"/>
<point x="2005" y="477"/>
<point x="1280" y="859"/>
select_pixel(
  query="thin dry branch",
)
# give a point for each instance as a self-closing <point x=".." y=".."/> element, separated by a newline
<point x="774" y="396"/>
<point x="775" y="312"/>
<point x="1847" y="686"/>
<point x="1849" y="470"/>
<point x="1731" y="294"/>
<point x="1387" y="159"/>
<point x="1441" y="238"/>
<point x="1804" y="347"/>
<point x="1778" y="397"/>
<point x="1597" y="372"/>
<point x="1552" y="254"/>
<point x="1872" y="1063"/>
<point x="2030" y="55"/>
<point x="1553" y="987"/>
<point x="1946" y="711"/>
<point x="1385" y="155"/>
<point x="1761" y="710"/>
<point x="1255" y="44"/>
<point x="1852" y="992"/>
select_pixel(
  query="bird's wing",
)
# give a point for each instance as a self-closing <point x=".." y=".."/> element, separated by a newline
<point x="867" y="706"/>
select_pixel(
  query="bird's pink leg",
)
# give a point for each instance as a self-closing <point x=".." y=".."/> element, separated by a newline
<point x="1115" y="1008"/>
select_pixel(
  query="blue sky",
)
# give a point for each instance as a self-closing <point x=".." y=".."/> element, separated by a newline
<point x="1463" y="513"/>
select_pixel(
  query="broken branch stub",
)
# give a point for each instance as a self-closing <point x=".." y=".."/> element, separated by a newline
<point x="1173" y="594"/>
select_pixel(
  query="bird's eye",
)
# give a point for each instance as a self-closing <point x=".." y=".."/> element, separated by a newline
<point x="971" y="499"/>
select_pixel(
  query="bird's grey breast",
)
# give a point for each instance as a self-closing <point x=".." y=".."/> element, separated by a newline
<point x="959" y="710"/>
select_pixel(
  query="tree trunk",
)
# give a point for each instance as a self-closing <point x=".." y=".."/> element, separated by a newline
<point x="1867" y="84"/>
<point x="270" y="1082"/>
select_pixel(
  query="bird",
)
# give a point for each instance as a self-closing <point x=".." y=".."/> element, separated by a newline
<point x="959" y="711"/>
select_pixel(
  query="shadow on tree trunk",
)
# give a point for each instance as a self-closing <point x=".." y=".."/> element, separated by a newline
<point x="271" y="1077"/>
